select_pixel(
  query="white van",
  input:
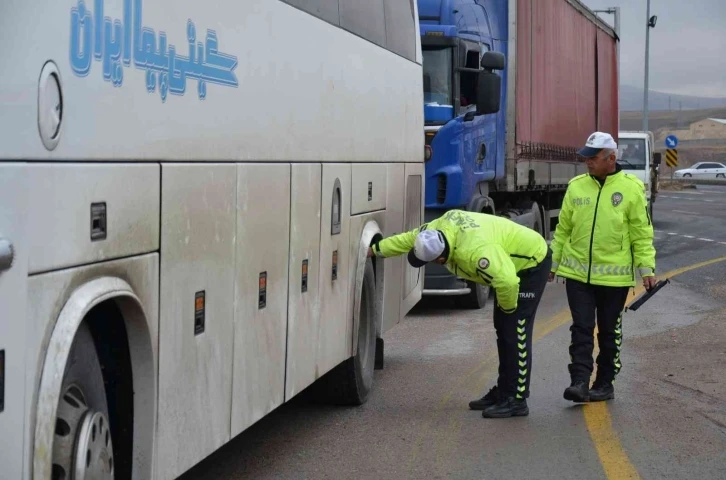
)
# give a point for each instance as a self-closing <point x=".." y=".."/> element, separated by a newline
<point x="636" y="156"/>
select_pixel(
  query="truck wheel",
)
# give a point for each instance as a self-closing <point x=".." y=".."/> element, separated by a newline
<point x="475" y="299"/>
<point x="82" y="447"/>
<point x="538" y="223"/>
<point x="479" y="294"/>
<point x="351" y="382"/>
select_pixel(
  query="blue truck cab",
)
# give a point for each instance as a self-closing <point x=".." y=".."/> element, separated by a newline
<point x="464" y="151"/>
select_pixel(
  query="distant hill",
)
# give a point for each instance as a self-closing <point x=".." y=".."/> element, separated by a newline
<point x="664" y="119"/>
<point x="631" y="99"/>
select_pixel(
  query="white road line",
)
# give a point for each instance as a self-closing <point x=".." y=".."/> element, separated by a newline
<point x="691" y="237"/>
<point x="683" y="211"/>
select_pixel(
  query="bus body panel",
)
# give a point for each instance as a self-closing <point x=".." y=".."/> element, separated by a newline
<point x="78" y="214"/>
<point x="260" y="315"/>
<point x="196" y="329"/>
<point x="278" y="85"/>
<point x="303" y="309"/>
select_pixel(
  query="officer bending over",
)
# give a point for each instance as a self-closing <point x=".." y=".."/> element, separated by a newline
<point x="604" y="235"/>
<point x="497" y="252"/>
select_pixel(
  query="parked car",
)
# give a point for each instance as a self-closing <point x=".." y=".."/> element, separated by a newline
<point x="703" y="170"/>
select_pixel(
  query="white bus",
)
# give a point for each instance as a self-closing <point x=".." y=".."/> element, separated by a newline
<point x="187" y="194"/>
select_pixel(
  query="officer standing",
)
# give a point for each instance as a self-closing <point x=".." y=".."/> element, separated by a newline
<point x="494" y="251"/>
<point x="604" y="234"/>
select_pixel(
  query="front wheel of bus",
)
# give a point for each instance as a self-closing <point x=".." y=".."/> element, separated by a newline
<point x="82" y="447"/>
<point x="351" y="382"/>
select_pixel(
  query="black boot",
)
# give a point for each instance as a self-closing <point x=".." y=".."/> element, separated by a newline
<point x="577" y="392"/>
<point x="507" y="407"/>
<point x="487" y="400"/>
<point x="602" y="391"/>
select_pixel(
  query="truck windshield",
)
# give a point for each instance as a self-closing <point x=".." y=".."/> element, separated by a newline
<point x="631" y="153"/>
<point x="437" y="78"/>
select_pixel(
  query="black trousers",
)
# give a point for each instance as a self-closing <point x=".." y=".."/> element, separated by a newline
<point x="587" y="301"/>
<point x="514" y="331"/>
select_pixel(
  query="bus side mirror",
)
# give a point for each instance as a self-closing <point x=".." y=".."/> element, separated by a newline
<point x="656" y="159"/>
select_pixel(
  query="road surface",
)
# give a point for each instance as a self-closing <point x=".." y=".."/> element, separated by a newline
<point x="668" y="419"/>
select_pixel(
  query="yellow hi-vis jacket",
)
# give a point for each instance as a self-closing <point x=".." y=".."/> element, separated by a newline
<point x="483" y="248"/>
<point x="604" y="232"/>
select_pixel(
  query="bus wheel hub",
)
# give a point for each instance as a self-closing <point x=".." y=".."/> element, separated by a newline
<point x="83" y="439"/>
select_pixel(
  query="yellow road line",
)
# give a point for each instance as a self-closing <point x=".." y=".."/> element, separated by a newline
<point x="612" y="456"/>
<point x="615" y="462"/>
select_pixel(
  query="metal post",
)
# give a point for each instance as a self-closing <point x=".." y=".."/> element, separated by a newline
<point x="647" y="58"/>
<point x="616" y="12"/>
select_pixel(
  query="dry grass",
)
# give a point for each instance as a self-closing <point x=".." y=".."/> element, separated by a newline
<point x="664" y="185"/>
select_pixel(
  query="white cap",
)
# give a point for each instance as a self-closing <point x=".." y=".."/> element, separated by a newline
<point x="596" y="142"/>
<point x="428" y="246"/>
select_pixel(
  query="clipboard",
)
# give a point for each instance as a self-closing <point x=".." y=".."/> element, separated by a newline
<point x="645" y="296"/>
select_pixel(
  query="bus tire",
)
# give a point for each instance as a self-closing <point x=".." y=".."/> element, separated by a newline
<point x="82" y="445"/>
<point x="351" y="382"/>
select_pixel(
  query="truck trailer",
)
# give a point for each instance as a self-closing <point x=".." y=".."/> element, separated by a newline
<point x="559" y="84"/>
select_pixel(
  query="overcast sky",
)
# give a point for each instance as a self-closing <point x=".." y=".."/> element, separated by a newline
<point x="684" y="45"/>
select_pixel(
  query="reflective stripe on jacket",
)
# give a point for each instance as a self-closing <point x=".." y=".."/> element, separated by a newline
<point x="604" y="232"/>
<point x="483" y="248"/>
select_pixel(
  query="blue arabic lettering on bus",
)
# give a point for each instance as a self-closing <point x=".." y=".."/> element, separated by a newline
<point x="95" y="37"/>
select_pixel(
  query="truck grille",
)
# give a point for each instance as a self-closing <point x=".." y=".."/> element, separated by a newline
<point x="441" y="189"/>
